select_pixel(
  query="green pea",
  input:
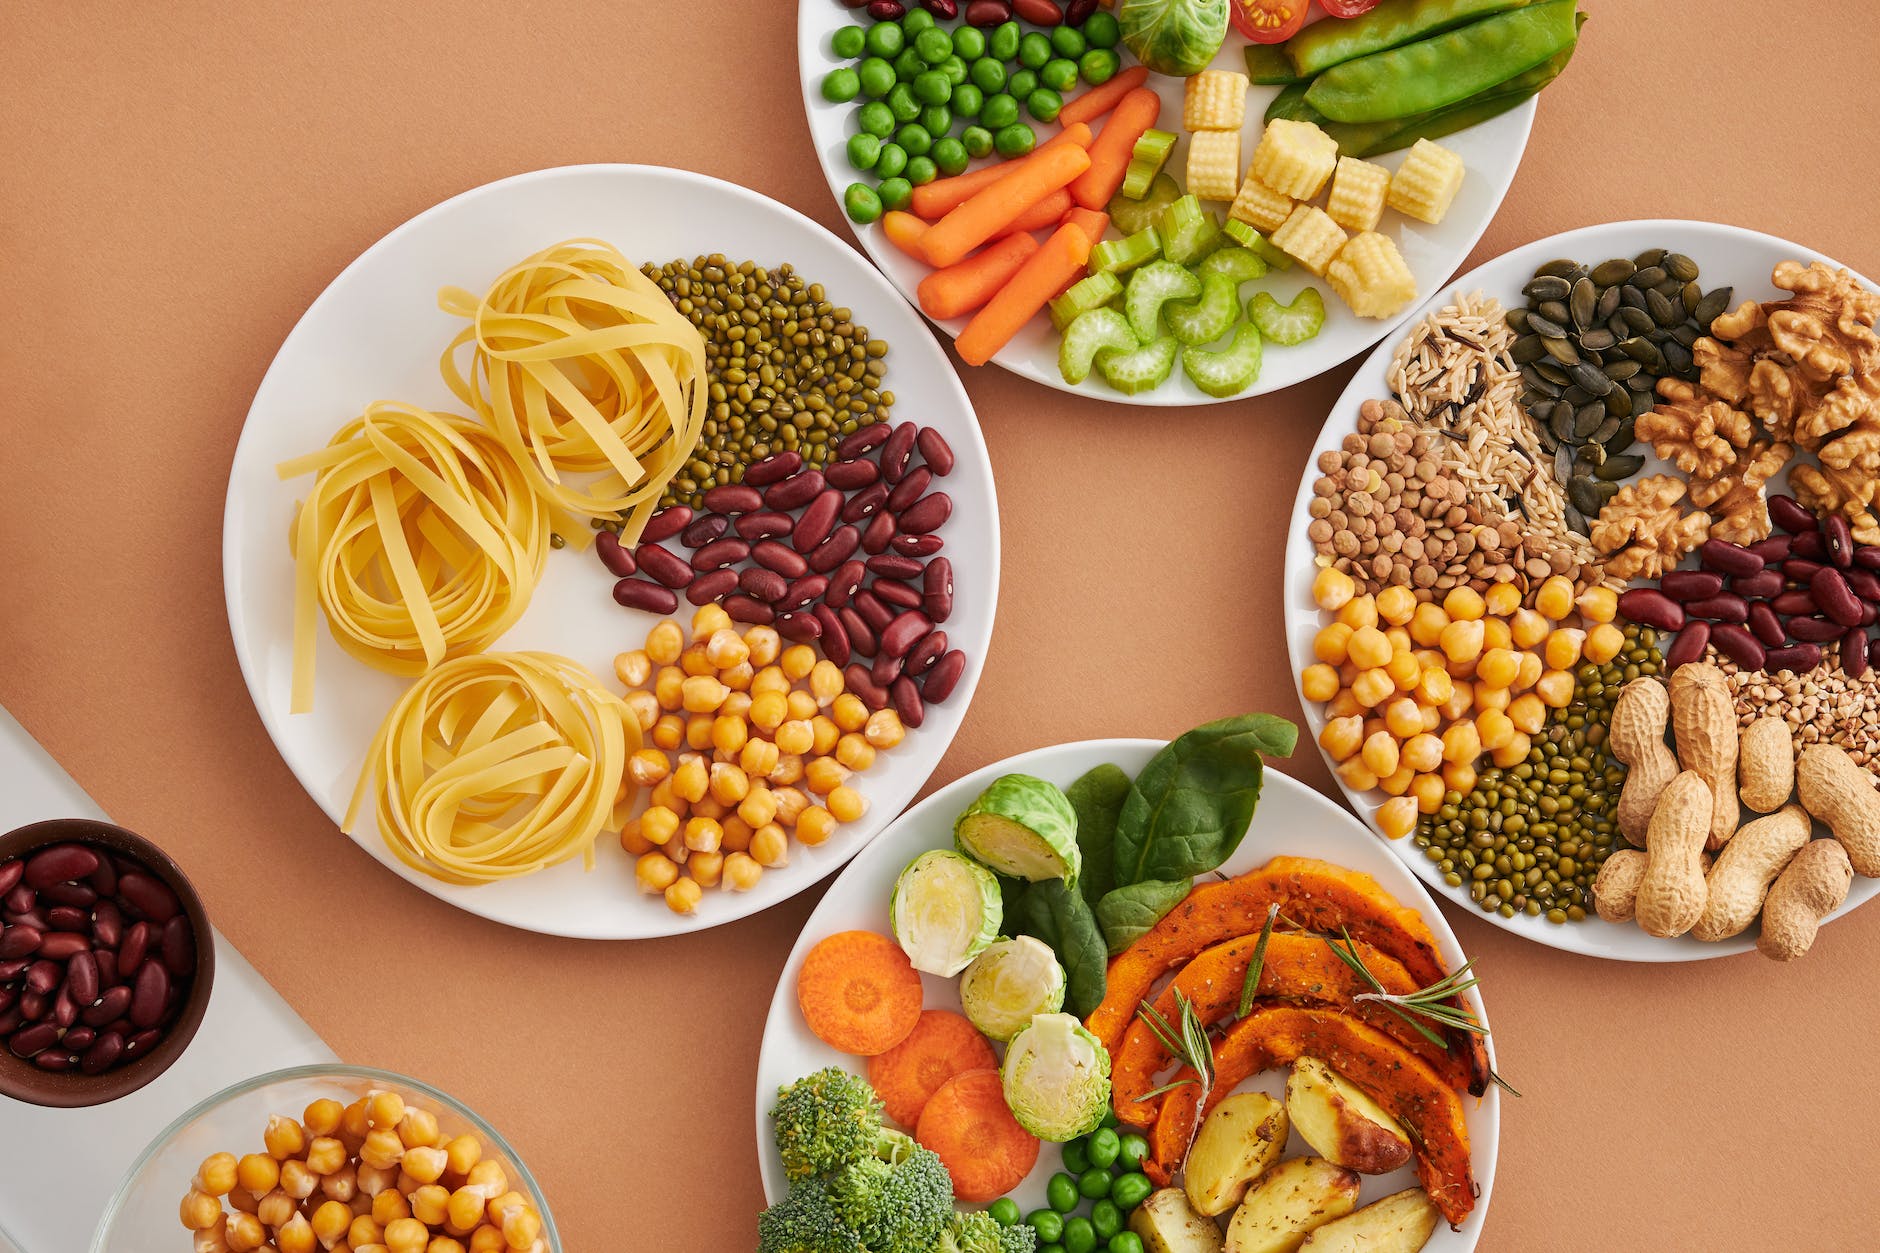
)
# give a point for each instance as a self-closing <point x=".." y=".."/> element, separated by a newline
<point x="1124" y="1241"/>
<point x="998" y="112"/>
<point x="987" y="75"/>
<point x="954" y="69"/>
<point x="907" y="64"/>
<point x="934" y="45"/>
<point x="970" y="42"/>
<point x="1109" y="1117"/>
<point x="1099" y="65"/>
<point x="1068" y="41"/>
<point x="1015" y="140"/>
<point x="1095" y="1182"/>
<point x="915" y="139"/>
<point x="1034" y="50"/>
<point x="1106" y="1218"/>
<point x="917" y="21"/>
<point x="842" y="85"/>
<point x="1079" y="1235"/>
<point x="932" y="87"/>
<point x="894" y="192"/>
<point x="1131" y="1190"/>
<point x="1104" y="1146"/>
<point x="1021" y="84"/>
<point x="1044" y="104"/>
<point x="863" y="205"/>
<point x="903" y="103"/>
<point x="1101" y="30"/>
<point x="937" y="118"/>
<point x="1003" y="41"/>
<point x="1061" y="1193"/>
<point x="877" y="77"/>
<point x="966" y="100"/>
<point x="1059" y="75"/>
<point x="864" y="150"/>
<point x="875" y="118"/>
<point x="886" y="39"/>
<point x="848" y="42"/>
<point x="950" y="155"/>
<point x="1076" y="1154"/>
<point x="1004" y="1212"/>
<point x="978" y="141"/>
<point x="1048" y="1223"/>
<point x="891" y="161"/>
<point x="1134" y="1149"/>
<point x="921" y="171"/>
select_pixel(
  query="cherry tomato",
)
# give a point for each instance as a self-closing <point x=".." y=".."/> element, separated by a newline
<point x="1268" y="21"/>
<point x="1347" y="8"/>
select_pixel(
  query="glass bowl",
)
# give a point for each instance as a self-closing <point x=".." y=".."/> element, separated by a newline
<point x="142" y="1215"/>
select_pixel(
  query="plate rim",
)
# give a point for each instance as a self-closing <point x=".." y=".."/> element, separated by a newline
<point x="1366" y="381"/>
<point x="236" y="612"/>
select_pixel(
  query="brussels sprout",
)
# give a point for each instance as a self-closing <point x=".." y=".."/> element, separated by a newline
<point x="1175" y="37"/>
<point x="944" y="911"/>
<point x="1023" y="827"/>
<point x="1057" y="1078"/>
<point x="1009" y="983"/>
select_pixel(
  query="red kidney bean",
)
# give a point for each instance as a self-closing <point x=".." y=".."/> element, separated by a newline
<point x="800" y="627"/>
<point x="1738" y="645"/>
<point x="665" y="524"/>
<point x="1828" y="588"/>
<point x="1866" y="583"/>
<point x="81" y="978"/>
<point x="898" y="451"/>
<point x="1773" y="549"/>
<point x="1800" y="569"/>
<point x="865" y="440"/>
<point x="63" y="946"/>
<point x="141" y="1042"/>
<point x="704" y="530"/>
<point x="895" y="566"/>
<point x="617" y="558"/>
<point x="935" y="451"/>
<point x="1797" y="658"/>
<point x="910" y="489"/>
<point x="1759" y="586"/>
<point x="1815" y="630"/>
<point x="77" y="894"/>
<point x="1688" y="646"/>
<point x="78" y="1038"/>
<point x="34" y="918"/>
<point x="64" y="1013"/>
<point x="1867" y="558"/>
<point x="779" y="558"/>
<point x="711" y="586"/>
<point x="904" y="632"/>
<point x="664" y="565"/>
<point x="18" y="941"/>
<point x="796" y="491"/>
<point x="19" y="900"/>
<point x="866" y="502"/>
<point x="1720" y="608"/>
<point x="1788" y="513"/>
<point x="886" y="670"/>
<point x="907" y="701"/>
<point x="1873" y="653"/>
<point x="937" y="589"/>
<point x="107" y="967"/>
<point x="765" y="585"/>
<point x="748" y="609"/>
<point x="13" y="968"/>
<point x="878" y="534"/>
<point x="773" y="469"/>
<point x="852" y="476"/>
<point x="921" y="657"/>
<point x="862" y="640"/>
<point x="835" y="550"/>
<point x="855" y="675"/>
<point x="896" y="593"/>
<point x="945" y="10"/>
<point x="10" y="873"/>
<point x="1854" y="653"/>
<point x="873" y="611"/>
<point x="149" y="994"/>
<point x="34" y="1039"/>
<point x="1721" y="555"/>
<point x="843" y="582"/>
<point x="817" y="521"/>
<point x="1650" y="607"/>
<point x="10" y="1020"/>
<point x="1811" y="545"/>
<point x="651" y="597"/>
<point x="1839" y="539"/>
<point x="1686" y="585"/>
<point x="733" y="498"/>
<point x="803" y="592"/>
<point x="179" y="947"/>
<point x="34" y="1005"/>
<point x="60" y="863"/>
<point x="113" y="1003"/>
<point x="1793" y="601"/>
<point x="55" y="1060"/>
<point x="136" y="945"/>
<point x="68" y="918"/>
<point x="1868" y="614"/>
<point x="103" y="1053"/>
<point x="988" y="12"/>
<point x="835" y="639"/>
<point x="42" y="976"/>
<point x="917" y="545"/>
<point x="1077" y="12"/>
<point x="886" y="10"/>
<point x="929" y="513"/>
<point x="1765" y="626"/>
<point x="720" y="553"/>
<point x="767" y="524"/>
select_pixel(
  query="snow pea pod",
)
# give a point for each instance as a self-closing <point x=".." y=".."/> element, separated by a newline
<point x="1456" y="117"/>
<point x="1444" y="69"/>
<point x="1390" y="25"/>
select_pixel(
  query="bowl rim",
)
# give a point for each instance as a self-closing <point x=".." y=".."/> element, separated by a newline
<point x="319" y="1070"/>
<point x="21" y="1080"/>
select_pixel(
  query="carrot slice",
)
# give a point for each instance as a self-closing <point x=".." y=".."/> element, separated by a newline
<point x="859" y="993"/>
<point x="1103" y="97"/>
<point x="935" y="200"/>
<point x="942" y="1044"/>
<point x="904" y="231"/>
<point x="1377" y="1065"/>
<point x="1040" y="278"/>
<point x="963" y="287"/>
<point x="968" y="1125"/>
<point x="1047" y="212"/>
<point x="1110" y="151"/>
<point x="991" y="209"/>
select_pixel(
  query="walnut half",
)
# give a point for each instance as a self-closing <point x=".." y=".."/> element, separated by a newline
<point x="1642" y="530"/>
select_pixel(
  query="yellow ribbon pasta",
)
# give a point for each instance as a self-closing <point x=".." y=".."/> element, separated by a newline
<point x="581" y="366"/>
<point x="421" y="539"/>
<point x="498" y="765"/>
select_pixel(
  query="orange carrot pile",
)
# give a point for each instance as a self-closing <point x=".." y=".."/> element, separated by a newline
<point x="967" y="1124"/>
<point x="859" y="993"/>
<point x="1100" y="99"/>
<point x="990" y="209"/>
<point x="943" y="1044"/>
<point x="1043" y="275"/>
<point x="935" y="200"/>
<point x="961" y="288"/>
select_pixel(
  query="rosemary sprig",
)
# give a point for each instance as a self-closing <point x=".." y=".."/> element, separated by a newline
<point x="1251" y="984"/>
<point x="1187" y="1040"/>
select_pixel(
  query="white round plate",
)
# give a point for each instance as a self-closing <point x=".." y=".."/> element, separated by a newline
<point x="1292" y="819"/>
<point x="376" y="333"/>
<point x="1491" y="151"/>
<point x="1725" y="255"/>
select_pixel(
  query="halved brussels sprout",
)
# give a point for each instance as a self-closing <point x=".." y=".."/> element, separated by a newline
<point x="1010" y="983"/>
<point x="945" y="910"/>
<point x="1173" y="37"/>
<point x="1023" y="827"/>
<point x="1057" y="1078"/>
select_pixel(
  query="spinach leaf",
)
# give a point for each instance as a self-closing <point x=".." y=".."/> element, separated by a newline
<point x="1126" y="913"/>
<point x="1057" y="913"/>
<point x="1098" y="799"/>
<point x="1189" y="808"/>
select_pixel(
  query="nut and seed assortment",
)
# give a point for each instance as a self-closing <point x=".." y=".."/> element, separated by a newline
<point x="378" y="1174"/>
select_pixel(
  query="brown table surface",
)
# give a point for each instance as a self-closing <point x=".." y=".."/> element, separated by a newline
<point x="181" y="180"/>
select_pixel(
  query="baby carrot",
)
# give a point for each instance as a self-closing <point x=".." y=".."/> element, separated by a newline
<point x="935" y="200"/>
<point x="904" y="231"/>
<point x="1041" y="277"/>
<point x="1110" y="151"/>
<point x="964" y="286"/>
<point x="1090" y="221"/>
<point x="991" y="209"/>
<point x="1047" y="212"/>
<point x="1102" y="98"/>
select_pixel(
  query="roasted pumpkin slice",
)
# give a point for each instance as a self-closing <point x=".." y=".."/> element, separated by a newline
<point x="1397" y="1079"/>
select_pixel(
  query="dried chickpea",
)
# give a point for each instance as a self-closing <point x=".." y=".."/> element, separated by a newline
<point x="295" y="1235"/>
<point x="824" y="774"/>
<point x="1555" y="688"/>
<point x="849" y="712"/>
<point x="1380" y="753"/>
<point x="1528" y="713"/>
<point x="257" y="1173"/>
<point x="1487" y="697"/>
<point x="758" y="758"/>
<point x="665" y="642"/>
<point x="1331" y="589"/>
<point x="669" y="732"/>
<point x="1373" y="688"/>
<point x="1598" y="604"/>
<point x="705" y="868"/>
<point x="846" y="803"/>
<point x="1528" y="628"/>
<point x="694" y="661"/>
<point x="1436" y="687"/>
<point x="390" y="1206"/>
<point x="330" y="1222"/>
<point x="296" y="1180"/>
<point x="1495" y="730"/>
<point x="691" y="780"/>
<point x="795" y="736"/>
<point x="1397" y="817"/>
<point x="382" y="1149"/>
<point x="669" y="688"/>
<point x="770" y="847"/>
<point x="1403" y="718"/>
<point x="199" y="1211"/>
<point x="737" y="835"/>
<point x="1319" y="682"/>
<point x="1396" y="605"/>
<point x="768" y="710"/>
<point x="797" y="661"/>
<point x="406" y="1235"/>
<point x="764" y="643"/>
<point x="770" y="679"/>
<point x="825" y="682"/>
<point x="426" y="1164"/>
<point x="1461" y="700"/>
<point x="854" y="751"/>
<point x="1502" y="599"/>
<point x="658" y="825"/>
<point x="1332" y="644"/>
<point x="466" y="1208"/>
<point x="244" y="1233"/>
<point x="1459" y="776"/>
<point x="444" y="1244"/>
<point x="1603" y="643"/>
<point x="1356" y="775"/>
<point x="366" y="1232"/>
<point x="729" y="734"/>
<point x="729" y="783"/>
<point x="1399" y="637"/>
<point x="1464" y="604"/>
<point x="708" y="620"/>
<point x="1343" y="705"/>
<point x="726" y="648"/>
<point x="1563" y="648"/>
<point x="430" y="1204"/>
<point x="645" y="707"/>
<point x="737" y="678"/>
<point x="787" y="771"/>
<point x="633" y="668"/>
<point x="1428" y="790"/>
<point x="489" y="1178"/>
<point x="217" y="1175"/>
<point x="655" y="872"/>
<point x="825" y="735"/>
<point x="1530" y="671"/>
<point x="1342" y="737"/>
<point x="737" y="705"/>
<point x="883" y="728"/>
<point x="487" y="1240"/>
<point x="648" y="766"/>
<point x="321" y="1117"/>
<point x="703" y="835"/>
<point x="1404" y="671"/>
<point x="1432" y="718"/>
<point x="1495" y="633"/>
<point x="461" y="1154"/>
<point x="698" y="732"/>
<point x="1462" y="640"/>
<point x="1397" y="782"/>
<point x="244" y="1202"/>
<point x="418" y="1128"/>
<point x="758" y="806"/>
<point x="1513" y="753"/>
<point x="521" y="1228"/>
<point x="1359" y="611"/>
<point x="1554" y="600"/>
<point x="1462" y="743"/>
<point x="742" y="872"/>
<point x="340" y="1184"/>
<point x="800" y="705"/>
<point x="325" y="1154"/>
<point x="790" y="803"/>
<point x="815" y="825"/>
<point x="1497" y="668"/>
<point x="1367" y="648"/>
<point x="1426" y="626"/>
<point x="683" y="896"/>
<point x="1422" y="752"/>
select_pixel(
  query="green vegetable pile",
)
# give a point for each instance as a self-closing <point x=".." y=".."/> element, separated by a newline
<point x="921" y="80"/>
<point x="1416" y="69"/>
<point x="1181" y="298"/>
<point x="1103" y="1169"/>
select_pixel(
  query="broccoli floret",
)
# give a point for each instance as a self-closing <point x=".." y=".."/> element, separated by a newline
<point x="825" y="1121"/>
<point x="806" y="1221"/>
<point x="903" y="1207"/>
<point x="981" y="1233"/>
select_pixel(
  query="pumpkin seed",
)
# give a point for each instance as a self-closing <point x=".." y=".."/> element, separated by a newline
<point x="1685" y="334"/>
<point x="1606" y="430"/>
<point x="1583" y="494"/>
<point x="1670" y="289"/>
<point x="1642" y="351"/>
<point x="1560" y="350"/>
<point x="1517" y="320"/>
<point x="1549" y="442"/>
<point x="1711" y="306"/>
<point x="1662" y="310"/>
<point x="1678" y="357"/>
<point x="1599" y="339"/>
<point x="1532" y="376"/>
<point x="1576" y="396"/>
<point x="1554" y="311"/>
<point x="1586" y="420"/>
<point x="1547" y="287"/>
<point x="1636" y="318"/>
<point x="1546" y="328"/>
<point x="1619" y="403"/>
<point x="1621" y="370"/>
<point x="1620" y="467"/>
<point x="1590" y="377"/>
<point x="1527" y="348"/>
<point x="1631" y="297"/>
<point x="1575" y="520"/>
<point x="1623" y="437"/>
<point x="1608" y="304"/>
<point x="1617" y="270"/>
<point x="1563" y="464"/>
<point x="1680" y="267"/>
<point x="1560" y="422"/>
<point x="1582" y="302"/>
<point x="1561" y="267"/>
<point x="1650" y="257"/>
<point x="1643" y="402"/>
<point x="1647" y="277"/>
<point x="1606" y="492"/>
<point x="1689" y="295"/>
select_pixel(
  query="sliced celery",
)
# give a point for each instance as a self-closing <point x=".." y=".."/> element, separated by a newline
<point x="1244" y="235"/>
<point x="1130" y="216"/>
<point x="1204" y="320"/>
<point x="1146" y="161"/>
<point x="1288" y="324"/>
<point x="1189" y="232"/>
<point x="1149" y="288"/>
<point x="1118" y="256"/>
<point x="1085" y="294"/>
<point x="1229" y="371"/>
<point x="1243" y="265"/>
<point x="1094" y="332"/>
<point x="1141" y="370"/>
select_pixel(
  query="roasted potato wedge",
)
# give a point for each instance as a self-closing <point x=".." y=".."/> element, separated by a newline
<point x="1168" y="1224"/>
<point x="1342" y="1124"/>
<point x="1244" y="1135"/>
<point x="1400" y="1223"/>
<point x="1290" y="1201"/>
